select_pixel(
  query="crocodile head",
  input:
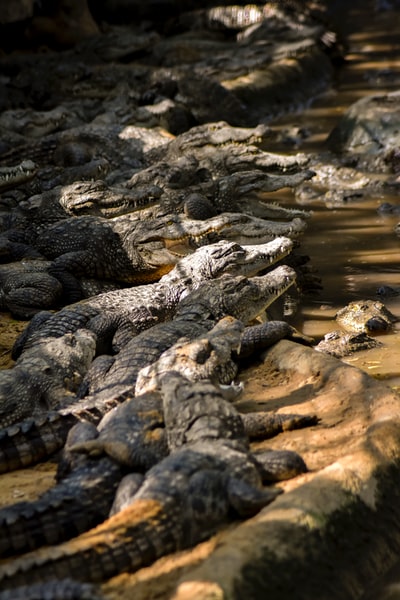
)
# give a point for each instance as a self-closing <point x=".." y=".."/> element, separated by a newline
<point x="224" y="257"/>
<point x="241" y="297"/>
<point x="13" y="176"/>
<point x="175" y="231"/>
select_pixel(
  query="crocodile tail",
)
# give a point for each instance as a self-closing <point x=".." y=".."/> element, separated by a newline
<point x="64" y="589"/>
<point x="131" y="539"/>
<point x="32" y="440"/>
<point x="78" y="503"/>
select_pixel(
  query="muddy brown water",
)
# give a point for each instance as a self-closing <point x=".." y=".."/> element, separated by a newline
<point x="352" y="247"/>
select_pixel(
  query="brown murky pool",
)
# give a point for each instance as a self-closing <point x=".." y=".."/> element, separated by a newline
<point x="352" y="247"/>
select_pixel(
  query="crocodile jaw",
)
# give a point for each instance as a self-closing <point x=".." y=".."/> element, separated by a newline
<point x="14" y="176"/>
<point x="267" y="289"/>
<point x="260" y="256"/>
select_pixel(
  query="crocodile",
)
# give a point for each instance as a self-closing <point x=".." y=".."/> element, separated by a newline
<point x="217" y="354"/>
<point x="224" y="149"/>
<point x="146" y="305"/>
<point x="209" y="476"/>
<point x="86" y="198"/>
<point x="85" y="491"/>
<point x="370" y="316"/>
<point x="342" y="343"/>
<point x="239" y="297"/>
<point x="33" y="123"/>
<point x="44" y="375"/>
<point x="133" y="250"/>
<point x="131" y="435"/>
<point x="79" y="145"/>
<point x="36" y="438"/>
<point x="186" y="184"/>
<point x="13" y="176"/>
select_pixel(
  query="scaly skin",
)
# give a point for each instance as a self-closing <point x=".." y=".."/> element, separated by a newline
<point x="206" y="357"/>
<point x="241" y="298"/>
<point x="36" y="438"/>
<point x="132" y="250"/>
<point x="84" y="496"/>
<point x="64" y="589"/>
<point x="144" y="306"/>
<point x="44" y="376"/>
<point x="183" y="499"/>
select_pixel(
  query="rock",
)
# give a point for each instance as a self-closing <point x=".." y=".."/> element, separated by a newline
<point x="371" y="126"/>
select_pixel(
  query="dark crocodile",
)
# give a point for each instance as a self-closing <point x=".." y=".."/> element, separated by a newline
<point x="133" y="250"/>
<point x="33" y="123"/>
<point x="76" y="146"/>
<point x="16" y="175"/>
<point x="26" y="287"/>
<point x="87" y="198"/>
<point x="209" y="476"/>
<point x="201" y="192"/>
<point x="143" y="306"/>
<point x="85" y="494"/>
<point x="223" y="149"/>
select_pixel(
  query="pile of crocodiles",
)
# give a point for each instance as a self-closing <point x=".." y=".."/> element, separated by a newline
<point x="138" y="240"/>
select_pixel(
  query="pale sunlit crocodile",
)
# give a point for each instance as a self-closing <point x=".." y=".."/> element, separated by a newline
<point x="141" y="307"/>
<point x="215" y="355"/>
<point x="209" y="477"/>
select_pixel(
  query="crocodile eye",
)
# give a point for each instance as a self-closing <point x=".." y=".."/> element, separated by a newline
<point x="375" y="324"/>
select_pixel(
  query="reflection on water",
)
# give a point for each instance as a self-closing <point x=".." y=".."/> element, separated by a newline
<point x="353" y="248"/>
